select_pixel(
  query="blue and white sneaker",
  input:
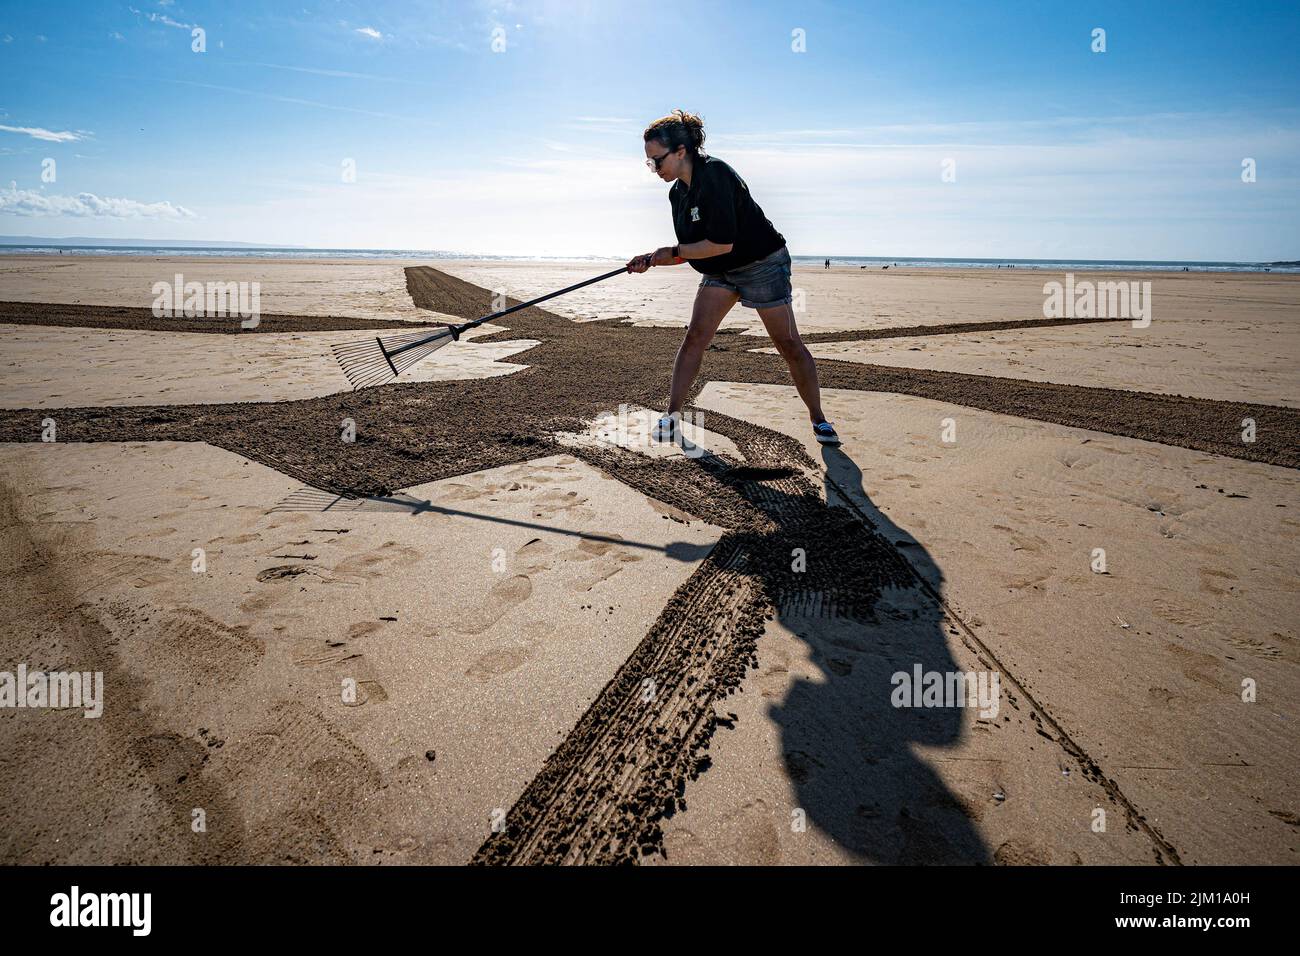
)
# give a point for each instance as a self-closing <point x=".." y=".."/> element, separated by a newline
<point x="825" y="433"/>
<point x="666" y="429"/>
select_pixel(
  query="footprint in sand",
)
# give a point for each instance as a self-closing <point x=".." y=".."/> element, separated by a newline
<point x="535" y="555"/>
<point x="1165" y="697"/>
<point x="1257" y="647"/>
<point x="501" y="661"/>
<point x="366" y="565"/>
<point x="549" y="503"/>
<point x="169" y="759"/>
<point x="362" y="628"/>
<point x="1183" y="616"/>
<point x="668" y="511"/>
<point x="503" y="596"/>
<point x="1021" y="853"/>
<point x="1213" y="580"/>
<point x="549" y="474"/>
<point x="588" y="549"/>
<point x="1202" y="668"/>
<point x="195" y="647"/>
<point x="754" y="840"/>
<point x="315" y="652"/>
<point x="282" y="571"/>
<point x="368" y="692"/>
<point x="291" y="735"/>
<point x="459" y="492"/>
<point x="295" y="760"/>
<point x="596" y="561"/>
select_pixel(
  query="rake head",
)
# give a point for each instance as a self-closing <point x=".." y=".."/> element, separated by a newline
<point x="367" y="364"/>
<point x="372" y="362"/>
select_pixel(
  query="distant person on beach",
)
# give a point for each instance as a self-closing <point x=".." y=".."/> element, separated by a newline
<point x="828" y="263"/>
<point x="723" y="234"/>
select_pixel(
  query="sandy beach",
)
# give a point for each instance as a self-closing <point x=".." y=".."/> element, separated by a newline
<point x="498" y="624"/>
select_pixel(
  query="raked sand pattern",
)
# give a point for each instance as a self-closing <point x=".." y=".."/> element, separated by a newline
<point x="567" y="650"/>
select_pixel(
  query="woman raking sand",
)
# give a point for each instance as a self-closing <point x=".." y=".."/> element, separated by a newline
<point x="723" y="234"/>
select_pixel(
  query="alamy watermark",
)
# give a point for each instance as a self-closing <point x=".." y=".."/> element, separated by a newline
<point x="55" y="690"/>
<point x="212" y="300"/>
<point x="1098" y="300"/>
<point x="631" y="427"/>
<point x="922" y="688"/>
<point x="75" y="908"/>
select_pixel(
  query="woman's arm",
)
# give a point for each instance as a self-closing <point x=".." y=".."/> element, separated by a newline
<point x="704" y="249"/>
<point x="676" y="255"/>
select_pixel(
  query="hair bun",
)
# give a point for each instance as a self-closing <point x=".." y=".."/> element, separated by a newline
<point x="694" y="126"/>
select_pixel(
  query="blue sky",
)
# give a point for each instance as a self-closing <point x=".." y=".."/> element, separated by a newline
<point x="1058" y="151"/>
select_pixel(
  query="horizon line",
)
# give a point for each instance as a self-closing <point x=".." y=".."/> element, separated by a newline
<point x="181" y="244"/>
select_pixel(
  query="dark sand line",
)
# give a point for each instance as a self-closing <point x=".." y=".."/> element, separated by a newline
<point x="440" y="292"/>
<point x="143" y="320"/>
<point x="1200" y="424"/>
<point x="948" y="328"/>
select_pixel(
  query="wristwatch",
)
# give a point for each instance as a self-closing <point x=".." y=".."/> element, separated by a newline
<point x="676" y="254"/>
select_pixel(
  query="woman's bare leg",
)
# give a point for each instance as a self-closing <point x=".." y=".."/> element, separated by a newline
<point x="779" y="322"/>
<point x="712" y="304"/>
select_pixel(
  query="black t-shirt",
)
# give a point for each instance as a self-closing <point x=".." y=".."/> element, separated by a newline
<point x="718" y="207"/>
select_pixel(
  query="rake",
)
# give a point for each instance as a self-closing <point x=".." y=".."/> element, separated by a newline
<point x="367" y="363"/>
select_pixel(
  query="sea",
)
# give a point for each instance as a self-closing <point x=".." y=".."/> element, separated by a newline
<point x="861" y="262"/>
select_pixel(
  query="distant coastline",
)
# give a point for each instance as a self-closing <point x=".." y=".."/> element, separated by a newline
<point x="85" y="246"/>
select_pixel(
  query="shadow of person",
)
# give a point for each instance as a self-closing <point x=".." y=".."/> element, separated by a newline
<point x="849" y="752"/>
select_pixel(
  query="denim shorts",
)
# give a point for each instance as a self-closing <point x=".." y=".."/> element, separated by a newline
<point x="760" y="284"/>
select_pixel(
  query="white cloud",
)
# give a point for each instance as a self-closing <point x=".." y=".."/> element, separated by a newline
<point x="116" y="36"/>
<point x="27" y="202"/>
<point x="35" y="132"/>
<point x="370" y="32"/>
<point x="163" y="19"/>
<point x="168" y="21"/>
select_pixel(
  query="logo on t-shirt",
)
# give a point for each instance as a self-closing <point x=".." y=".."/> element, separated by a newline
<point x="695" y="214"/>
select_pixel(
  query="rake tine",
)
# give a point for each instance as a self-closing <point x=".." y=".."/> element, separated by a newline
<point x="364" y="364"/>
<point x="369" y="362"/>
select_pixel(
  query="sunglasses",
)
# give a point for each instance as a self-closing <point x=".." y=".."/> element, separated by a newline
<point x="654" y="162"/>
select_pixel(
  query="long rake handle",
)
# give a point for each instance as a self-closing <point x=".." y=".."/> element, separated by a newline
<point x="457" y="329"/>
